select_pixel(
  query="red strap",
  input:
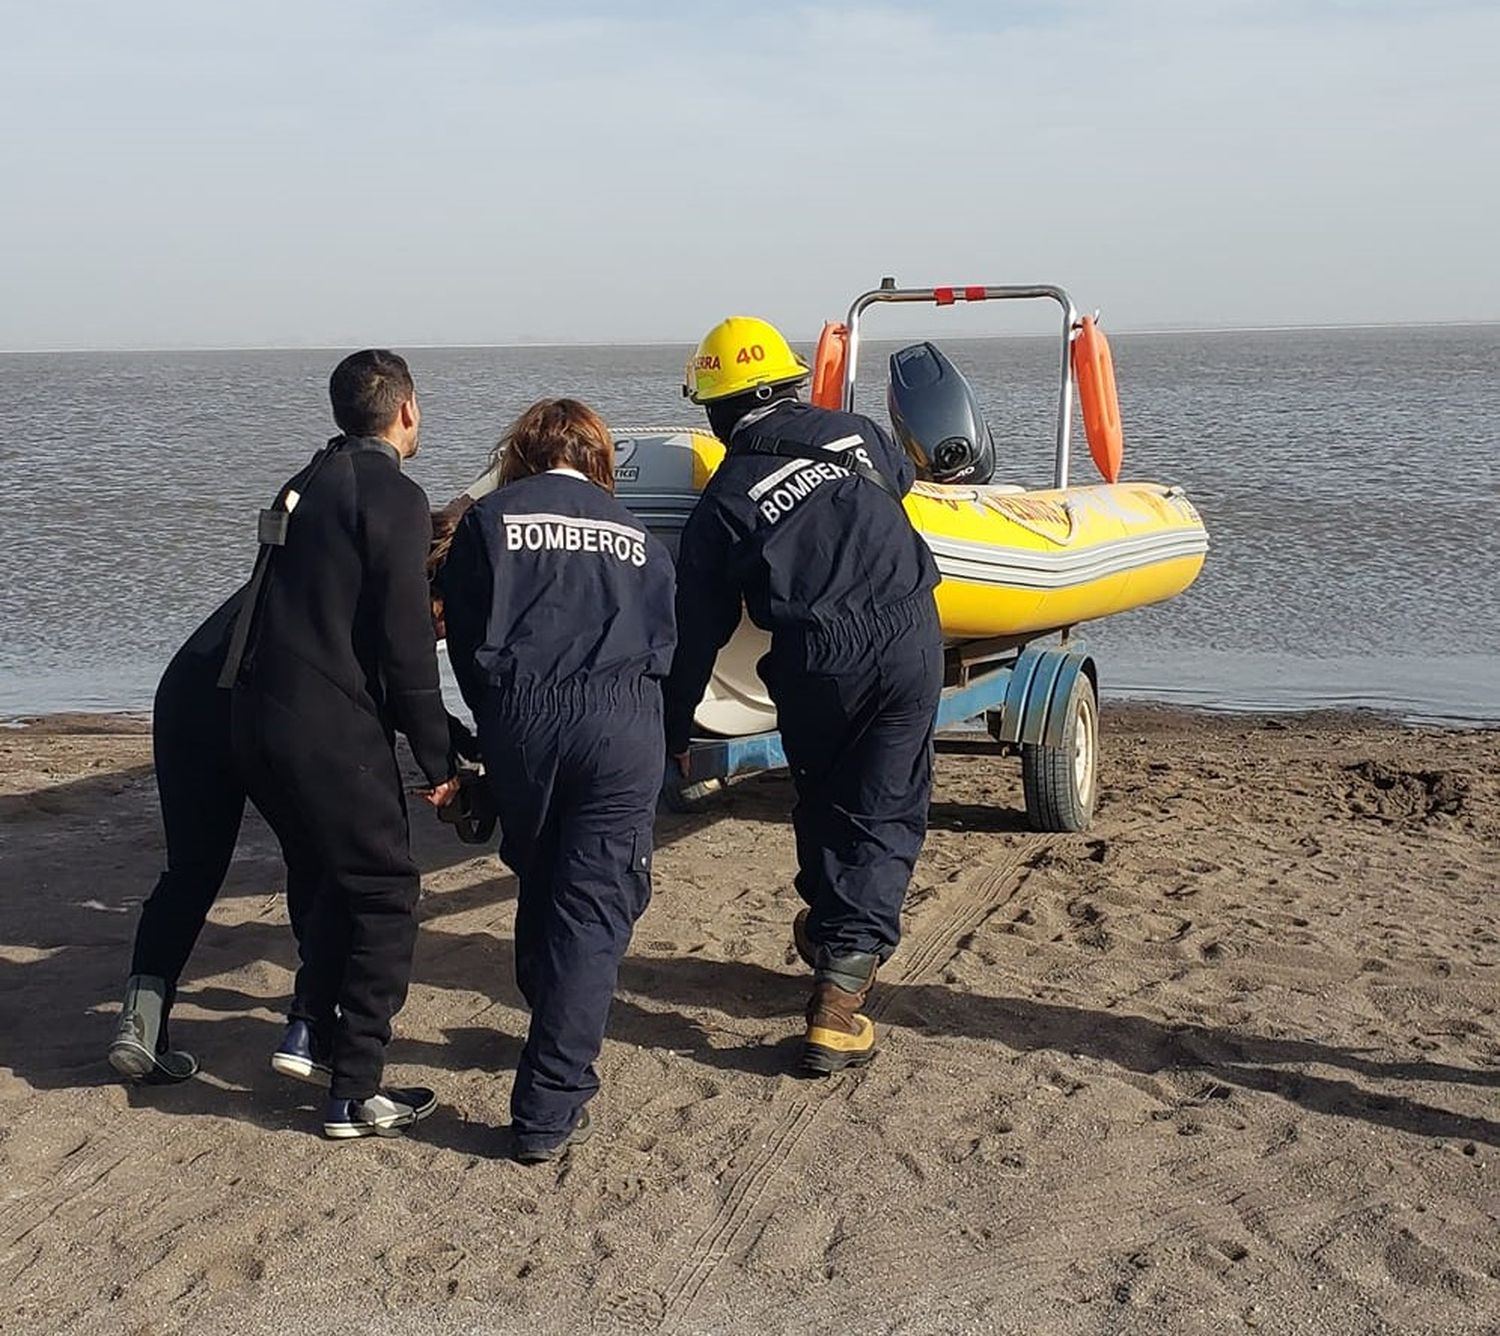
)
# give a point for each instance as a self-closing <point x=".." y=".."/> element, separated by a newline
<point x="973" y="294"/>
<point x="943" y="296"/>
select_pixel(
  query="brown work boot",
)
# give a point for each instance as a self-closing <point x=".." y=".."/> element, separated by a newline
<point x="838" y="1036"/>
<point x="804" y="944"/>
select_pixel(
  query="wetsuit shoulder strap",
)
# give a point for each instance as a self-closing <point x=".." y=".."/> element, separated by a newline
<point x="846" y="460"/>
<point x="271" y="528"/>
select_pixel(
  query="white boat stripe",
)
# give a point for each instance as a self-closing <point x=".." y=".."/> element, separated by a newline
<point x="1041" y="561"/>
<point x="997" y="579"/>
<point x="1002" y="573"/>
<point x="577" y="521"/>
<point x="963" y="550"/>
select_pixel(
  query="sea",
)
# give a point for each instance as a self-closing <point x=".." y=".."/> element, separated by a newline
<point x="1348" y="479"/>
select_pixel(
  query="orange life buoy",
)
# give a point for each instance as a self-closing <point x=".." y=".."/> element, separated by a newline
<point x="1094" y="370"/>
<point x="828" y="366"/>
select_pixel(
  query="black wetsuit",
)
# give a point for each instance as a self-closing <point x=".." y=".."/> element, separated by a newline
<point x="559" y="614"/>
<point x="202" y="804"/>
<point x="340" y="655"/>
<point x="827" y="562"/>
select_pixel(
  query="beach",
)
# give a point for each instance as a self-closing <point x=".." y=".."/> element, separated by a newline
<point x="1229" y="1060"/>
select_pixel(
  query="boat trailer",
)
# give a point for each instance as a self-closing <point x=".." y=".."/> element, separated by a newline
<point x="1039" y="701"/>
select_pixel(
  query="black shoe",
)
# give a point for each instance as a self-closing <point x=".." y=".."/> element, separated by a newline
<point x="527" y="1152"/>
<point x="303" y="1056"/>
<point x="384" y="1114"/>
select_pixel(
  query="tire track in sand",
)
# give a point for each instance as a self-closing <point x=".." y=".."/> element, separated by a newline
<point x="77" y="1171"/>
<point x="736" y="1223"/>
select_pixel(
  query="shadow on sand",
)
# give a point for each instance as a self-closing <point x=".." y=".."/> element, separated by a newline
<point x="65" y="937"/>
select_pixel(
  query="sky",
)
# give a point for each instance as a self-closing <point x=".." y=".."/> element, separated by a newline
<point x="325" y="173"/>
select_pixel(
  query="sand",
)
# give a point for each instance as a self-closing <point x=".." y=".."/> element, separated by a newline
<point x="1229" y="1061"/>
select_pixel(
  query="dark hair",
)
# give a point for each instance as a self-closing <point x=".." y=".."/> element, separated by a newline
<point x="367" y="390"/>
<point x="558" y="433"/>
<point x="444" y="526"/>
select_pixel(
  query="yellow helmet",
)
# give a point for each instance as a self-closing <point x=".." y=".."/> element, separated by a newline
<point x="737" y="355"/>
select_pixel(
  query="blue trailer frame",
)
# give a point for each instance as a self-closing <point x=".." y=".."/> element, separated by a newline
<point x="1022" y="693"/>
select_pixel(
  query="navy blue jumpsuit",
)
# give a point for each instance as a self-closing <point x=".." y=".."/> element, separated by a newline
<point x="559" y="616"/>
<point x="828" y="563"/>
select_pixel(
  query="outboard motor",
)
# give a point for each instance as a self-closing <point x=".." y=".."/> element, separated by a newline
<point x="937" y="418"/>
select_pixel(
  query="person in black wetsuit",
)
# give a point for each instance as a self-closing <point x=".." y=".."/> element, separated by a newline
<point x="560" y="627"/>
<point x="803" y="523"/>
<point x="334" y="653"/>
<point x="202" y="804"/>
<point x="202" y="797"/>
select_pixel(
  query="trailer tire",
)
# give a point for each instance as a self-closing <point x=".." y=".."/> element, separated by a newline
<point x="1061" y="783"/>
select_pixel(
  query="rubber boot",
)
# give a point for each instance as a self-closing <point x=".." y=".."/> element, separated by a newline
<point x="140" y="1051"/>
<point x="838" y="1036"/>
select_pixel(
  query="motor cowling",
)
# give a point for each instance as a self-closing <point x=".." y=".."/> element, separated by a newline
<point x="937" y="419"/>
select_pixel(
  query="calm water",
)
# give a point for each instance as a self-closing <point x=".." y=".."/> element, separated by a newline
<point x="1348" y="479"/>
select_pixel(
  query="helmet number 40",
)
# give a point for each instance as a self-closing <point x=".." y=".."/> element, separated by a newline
<point x="753" y="353"/>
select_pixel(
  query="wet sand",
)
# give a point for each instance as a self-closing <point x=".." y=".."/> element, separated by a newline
<point x="1231" y="1060"/>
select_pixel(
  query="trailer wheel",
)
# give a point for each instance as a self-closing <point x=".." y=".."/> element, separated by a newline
<point x="1061" y="783"/>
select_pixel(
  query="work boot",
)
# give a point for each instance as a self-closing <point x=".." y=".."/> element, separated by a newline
<point x="838" y="1036"/>
<point x="141" y="1051"/>
<point x="528" y="1151"/>
<point x="800" y="939"/>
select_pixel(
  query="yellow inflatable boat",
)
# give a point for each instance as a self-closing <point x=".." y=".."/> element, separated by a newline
<point x="1015" y="564"/>
<point x="1025" y="563"/>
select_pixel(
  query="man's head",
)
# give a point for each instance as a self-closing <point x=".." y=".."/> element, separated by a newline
<point x="373" y="395"/>
<point x="740" y="364"/>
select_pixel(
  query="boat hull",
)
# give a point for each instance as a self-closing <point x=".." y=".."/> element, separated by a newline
<point x="1015" y="564"/>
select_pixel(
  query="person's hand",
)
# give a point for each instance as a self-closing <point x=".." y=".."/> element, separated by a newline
<point x="680" y="760"/>
<point x="443" y="794"/>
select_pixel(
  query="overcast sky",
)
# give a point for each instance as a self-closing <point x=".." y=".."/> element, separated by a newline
<point x="331" y="173"/>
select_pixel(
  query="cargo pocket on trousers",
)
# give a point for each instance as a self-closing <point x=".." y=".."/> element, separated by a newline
<point x="640" y="869"/>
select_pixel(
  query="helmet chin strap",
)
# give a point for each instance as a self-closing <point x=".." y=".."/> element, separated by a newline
<point x="726" y="416"/>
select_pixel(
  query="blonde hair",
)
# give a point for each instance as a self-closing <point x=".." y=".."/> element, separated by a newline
<point x="558" y="433"/>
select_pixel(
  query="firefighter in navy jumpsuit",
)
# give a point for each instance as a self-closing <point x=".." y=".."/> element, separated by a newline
<point x="803" y="523"/>
<point x="558" y="606"/>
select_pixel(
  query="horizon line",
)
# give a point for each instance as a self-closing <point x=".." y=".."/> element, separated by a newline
<point x="1146" y="330"/>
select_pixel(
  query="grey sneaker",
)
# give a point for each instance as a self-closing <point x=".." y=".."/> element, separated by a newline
<point x="384" y="1114"/>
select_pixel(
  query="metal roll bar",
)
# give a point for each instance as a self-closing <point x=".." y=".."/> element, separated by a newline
<point x="940" y="296"/>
